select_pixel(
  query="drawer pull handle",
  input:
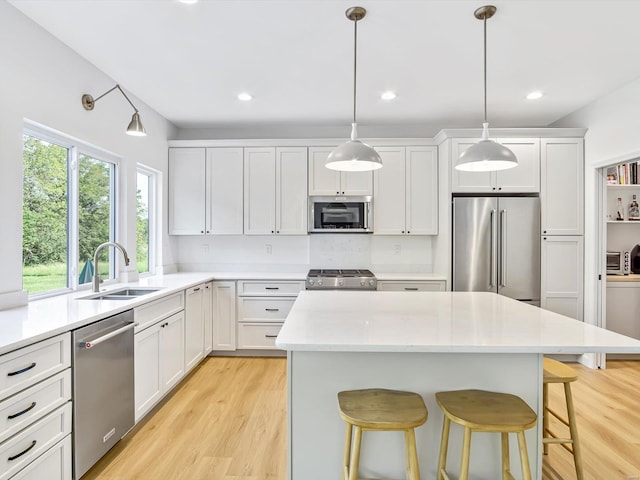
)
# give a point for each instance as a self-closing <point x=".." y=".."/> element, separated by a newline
<point x="413" y="289"/>
<point x="271" y="336"/>
<point x="22" y="370"/>
<point x="196" y="289"/>
<point x="33" y="444"/>
<point x="15" y="415"/>
<point x="272" y="309"/>
<point x="272" y="288"/>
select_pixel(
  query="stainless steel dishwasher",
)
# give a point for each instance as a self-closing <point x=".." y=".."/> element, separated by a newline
<point x="103" y="388"/>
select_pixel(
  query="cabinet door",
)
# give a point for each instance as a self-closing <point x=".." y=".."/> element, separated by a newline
<point x="561" y="186"/>
<point x="389" y="192"/>
<point x="172" y="351"/>
<point x="322" y="181"/>
<point x="561" y="288"/>
<point x="224" y="316"/>
<point x="356" y="183"/>
<point x="623" y="305"/>
<point x="291" y="191"/>
<point x="207" y="313"/>
<point x="471" y="182"/>
<point x="187" y="191"/>
<point x="148" y="381"/>
<point x="525" y="178"/>
<point x="259" y="191"/>
<point x="194" y="327"/>
<point x="224" y="170"/>
<point x="421" y="190"/>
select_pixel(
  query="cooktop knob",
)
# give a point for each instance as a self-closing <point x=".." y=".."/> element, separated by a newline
<point x="362" y="282"/>
<point x="371" y="282"/>
<point x="311" y="282"/>
<point x="341" y="283"/>
<point x="319" y="282"/>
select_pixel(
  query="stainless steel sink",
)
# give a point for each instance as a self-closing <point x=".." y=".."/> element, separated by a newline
<point x="122" y="294"/>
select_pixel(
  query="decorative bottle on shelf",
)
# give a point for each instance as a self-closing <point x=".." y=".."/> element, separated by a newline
<point x="634" y="210"/>
<point x="620" y="212"/>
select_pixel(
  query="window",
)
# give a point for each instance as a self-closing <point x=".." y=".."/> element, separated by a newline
<point x="145" y="219"/>
<point x="68" y="210"/>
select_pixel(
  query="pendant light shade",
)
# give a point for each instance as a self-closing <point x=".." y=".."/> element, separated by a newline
<point x="486" y="155"/>
<point x="135" y="127"/>
<point x="353" y="155"/>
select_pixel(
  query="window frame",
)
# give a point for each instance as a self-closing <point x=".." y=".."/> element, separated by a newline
<point x="77" y="147"/>
<point x="152" y="212"/>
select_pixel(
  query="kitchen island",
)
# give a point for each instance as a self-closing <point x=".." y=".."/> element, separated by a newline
<point x="421" y="342"/>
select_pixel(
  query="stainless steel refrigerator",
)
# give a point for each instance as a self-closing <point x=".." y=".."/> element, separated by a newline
<point x="496" y="246"/>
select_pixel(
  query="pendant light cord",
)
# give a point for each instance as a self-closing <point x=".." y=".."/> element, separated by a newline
<point x="355" y="62"/>
<point x="485" y="68"/>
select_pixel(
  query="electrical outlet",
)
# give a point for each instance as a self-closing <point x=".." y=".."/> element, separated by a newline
<point x="397" y="250"/>
<point x="205" y="248"/>
<point x="268" y="248"/>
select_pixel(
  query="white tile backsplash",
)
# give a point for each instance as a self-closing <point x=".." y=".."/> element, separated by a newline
<point x="298" y="253"/>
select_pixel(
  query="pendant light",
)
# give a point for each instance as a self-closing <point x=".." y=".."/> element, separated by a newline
<point x="486" y="155"/>
<point x="354" y="156"/>
<point x="135" y="127"/>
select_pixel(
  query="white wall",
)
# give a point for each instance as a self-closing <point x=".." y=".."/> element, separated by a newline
<point x="614" y="132"/>
<point x="43" y="81"/>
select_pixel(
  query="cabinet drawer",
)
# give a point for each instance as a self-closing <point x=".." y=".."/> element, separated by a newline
<point x="21" y="449"/>
<point x="251" y="288"/>
<point x="149" y="313"/>
<point x="54" y="464"/>
<point x="24" y="408"/>
<point x="422" y="286"/>
<point x="263" y="309"/>
<point x="260" y="336"/>
<point x="29" y="365"/>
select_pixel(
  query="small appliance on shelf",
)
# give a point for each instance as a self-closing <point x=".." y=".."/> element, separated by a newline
<point x="635" y="259"/>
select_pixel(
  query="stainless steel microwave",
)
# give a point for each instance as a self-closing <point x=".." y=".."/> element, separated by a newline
<point x="340" y="214"/>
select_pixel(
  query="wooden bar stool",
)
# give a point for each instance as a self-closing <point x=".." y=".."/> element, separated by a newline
<point x="380" y="410"/>
<point x="481" y="411"/>
<point x="558" y="372"/>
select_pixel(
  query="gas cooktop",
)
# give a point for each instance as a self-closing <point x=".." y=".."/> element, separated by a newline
<point x="337" y="279"/>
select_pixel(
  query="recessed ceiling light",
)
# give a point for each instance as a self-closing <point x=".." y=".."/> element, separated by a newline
<point x="535" y="95"/>
<point x="188" y="1"/>
<point x="388" y="95"/>
<point x="245" y="97"/>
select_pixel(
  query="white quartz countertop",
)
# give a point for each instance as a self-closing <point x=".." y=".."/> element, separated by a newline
<point x="51" y="316"/>
<point x="411" y="277"/>
<point x="462" y="322"/>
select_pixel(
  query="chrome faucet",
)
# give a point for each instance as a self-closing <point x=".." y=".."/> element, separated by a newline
<point x="96" y="276"/>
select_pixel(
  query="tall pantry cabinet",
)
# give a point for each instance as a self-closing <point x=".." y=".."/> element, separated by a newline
<point x="562" y="225"/>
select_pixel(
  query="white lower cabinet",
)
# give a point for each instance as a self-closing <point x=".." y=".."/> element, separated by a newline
<point x="224" y="316"/>
<point x="412" y="286"/>
<point x="262" y="308"/>
<point x="54" y="464"/>
<point x="159" y="361"/>
<point x="623" y="305"/>
<point x="207" y="308"/>
<point x="194" y="326"/>
<point x="561" y="275"/>
<point x="24" y="447"/>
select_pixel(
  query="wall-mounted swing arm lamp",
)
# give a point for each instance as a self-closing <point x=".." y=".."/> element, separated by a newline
<point x="135" y="127"/>
<point x="486" y="155"/>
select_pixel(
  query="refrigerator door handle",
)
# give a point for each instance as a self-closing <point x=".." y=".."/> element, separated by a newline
<point x="503" y="248"/>
<point x="492" y="253"/>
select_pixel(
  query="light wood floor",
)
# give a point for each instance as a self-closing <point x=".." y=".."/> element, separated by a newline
<point x="227" y="421"/>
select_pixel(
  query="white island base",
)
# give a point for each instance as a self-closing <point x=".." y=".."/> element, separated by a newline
<point x="422" y="342"/>
<point x="317" y="432"/>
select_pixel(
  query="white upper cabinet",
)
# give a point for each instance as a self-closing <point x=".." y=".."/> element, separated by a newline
<point x="406" y="191"/>
<point x="224" y="188"/>
<point x="525" y="178"/>
<point x="205" y="191"/>
<point x="187" y="191"/>
<point x="291" y="191"/>
<point x="562" y="194"/>
<point x="323" y="181"/>
<point x="275" y="191"/>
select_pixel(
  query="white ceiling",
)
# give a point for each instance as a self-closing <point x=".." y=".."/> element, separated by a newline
<point x="188" y="62"/>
